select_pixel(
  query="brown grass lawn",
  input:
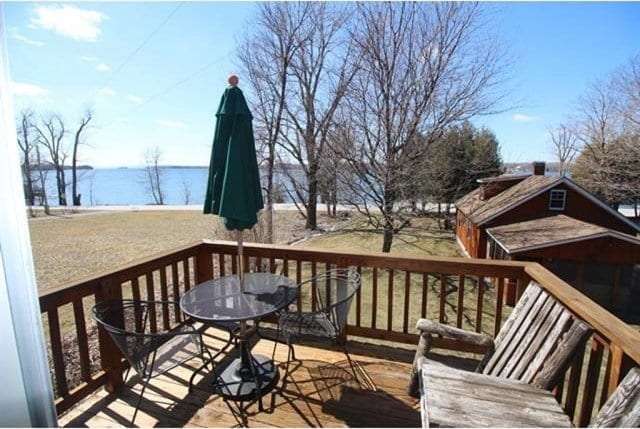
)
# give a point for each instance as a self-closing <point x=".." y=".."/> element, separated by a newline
<point x="66" y="248"/>
<point x="422" y="237"/>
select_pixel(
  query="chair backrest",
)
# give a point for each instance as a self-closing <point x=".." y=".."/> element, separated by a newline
<point x="333" y="291"/>
<point x="132" y="326"/>
<point x="537" y="342"/>
<point x="622" y="409"/>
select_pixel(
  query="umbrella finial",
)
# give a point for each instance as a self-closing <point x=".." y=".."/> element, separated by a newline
<point x="233" y="80"/>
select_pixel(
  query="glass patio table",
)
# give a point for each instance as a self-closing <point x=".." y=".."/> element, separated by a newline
<point x="224" y="299"/>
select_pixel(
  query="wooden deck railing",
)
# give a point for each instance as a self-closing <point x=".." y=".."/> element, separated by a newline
<point x="396" y="291"/>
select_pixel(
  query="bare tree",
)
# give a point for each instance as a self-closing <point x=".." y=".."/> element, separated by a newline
<point x="627" y="81"/>
<point x="564" y="146"/>
<point x="186" y="191"/>
<point x="42" y="179"/>
<point x="424" y="67"/>
<point x="598" y="126"/>
<point x="321" y="77"/>
<point x="51" y="132"/>
<point x="266" y="56"/>
<point x="153" y="174"/>
<point x="84" y="122"/>
<point x="27" y="142"/>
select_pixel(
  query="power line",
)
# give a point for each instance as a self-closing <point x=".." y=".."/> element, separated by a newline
<point x="171" y="87"/>
<point x="139" y="48"/>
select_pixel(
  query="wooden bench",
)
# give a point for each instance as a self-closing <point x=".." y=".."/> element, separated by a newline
<point x="458" y="398"/>
<point x="535" y="345"/>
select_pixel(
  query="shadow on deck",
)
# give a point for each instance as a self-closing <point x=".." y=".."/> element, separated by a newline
<point x="321" y="391"/>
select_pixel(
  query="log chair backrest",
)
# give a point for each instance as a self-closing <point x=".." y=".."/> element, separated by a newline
<point x="537" y="342"/>
<point x="622" y="409"/>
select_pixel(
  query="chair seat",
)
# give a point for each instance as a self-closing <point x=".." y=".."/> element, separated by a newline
<point x="299" y="324"/>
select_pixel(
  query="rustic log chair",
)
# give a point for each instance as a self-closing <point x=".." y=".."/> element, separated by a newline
<point x="536" y="344"/>
<point x="622" y="409"/>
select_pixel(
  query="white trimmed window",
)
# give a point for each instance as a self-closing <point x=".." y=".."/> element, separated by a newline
<point x="557" y="199"/>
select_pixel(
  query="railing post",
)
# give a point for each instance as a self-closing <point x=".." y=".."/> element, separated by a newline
<point x="110" y="356"/>
<point x="204" y="265"/>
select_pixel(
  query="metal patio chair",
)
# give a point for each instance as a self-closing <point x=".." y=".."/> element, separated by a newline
<point x="149" y="349"/>
<point x="333" y="292"/>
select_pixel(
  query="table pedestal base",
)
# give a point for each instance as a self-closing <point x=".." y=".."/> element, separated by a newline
<point x="240" y="383"/>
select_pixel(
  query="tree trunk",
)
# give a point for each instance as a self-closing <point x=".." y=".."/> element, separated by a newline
<point x="30" y="197"/>
<point x="312" y="222"/>
<point x="74" y="177"/>
<point x="387" y="239"/>
<point x="269" y="211"/>
<point x="62" y="188"/>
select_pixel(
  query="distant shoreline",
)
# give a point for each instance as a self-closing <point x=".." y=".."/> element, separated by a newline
<point x="625" y="211"/>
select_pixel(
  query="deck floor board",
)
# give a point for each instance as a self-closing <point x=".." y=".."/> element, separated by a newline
<point x="321" y="392"/>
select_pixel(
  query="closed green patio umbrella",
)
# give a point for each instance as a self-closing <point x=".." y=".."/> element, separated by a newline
<point x="233" y="187"/>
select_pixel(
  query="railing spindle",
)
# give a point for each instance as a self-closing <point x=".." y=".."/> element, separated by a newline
<point x="574" y="384"/>
<point x="591" y="383"/>
<point x="479" y="306"/>
<point x="460" y="310"/>
<point x="443" y="297"/>
<point x="56" y="352"/>
<point x="83" y="343"/>
<point x="175" y="282"/>
<point x="499" y="302"/>
<point x="221" y="264"/>
<point x="153" y="326"/>
<point x="390" y="301"/>
<point x="164" y="296"/>
<point x="374" y="298"/>
<point x="407" y="298"/>
<point x="359" y="297"/>
<point x="425" y="293"/>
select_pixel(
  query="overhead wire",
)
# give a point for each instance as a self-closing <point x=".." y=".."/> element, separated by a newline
<point x="139" y="48"/>
<point x="171" y="87"/>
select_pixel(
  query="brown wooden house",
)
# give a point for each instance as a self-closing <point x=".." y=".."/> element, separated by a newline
<point x="554" y="221"/>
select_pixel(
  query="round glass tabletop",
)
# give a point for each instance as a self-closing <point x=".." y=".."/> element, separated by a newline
<point x="223" y="299"/>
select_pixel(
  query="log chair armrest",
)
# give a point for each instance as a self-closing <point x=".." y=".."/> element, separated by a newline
<point x="429" y="327"/>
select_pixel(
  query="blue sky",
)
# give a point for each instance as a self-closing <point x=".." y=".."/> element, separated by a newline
<point x="153" y="72"/>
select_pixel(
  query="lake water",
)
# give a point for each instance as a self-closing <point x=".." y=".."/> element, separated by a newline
<point x="128" y="186"/>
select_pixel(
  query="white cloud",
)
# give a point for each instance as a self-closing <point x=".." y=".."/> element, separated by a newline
<point x="89" y="59"/>
<point x="107" y="92"/>
<point x="134" y="99"/>
<point x="171" y="124"/>
<point x="70" y="21"/>
<point x="14" y="33"/>
<point x="521" y="117"/>
<point x="28" y="89"/>
<point x="102" y="67"/>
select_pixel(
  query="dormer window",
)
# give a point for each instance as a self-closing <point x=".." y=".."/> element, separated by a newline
<point x="557" y="199"/>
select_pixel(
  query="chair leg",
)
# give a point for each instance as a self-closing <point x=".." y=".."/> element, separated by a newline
<point x="353" y="368"/>
<point x="290" y="356"/>
<point x="145" y="382"/>
<point x="275" y="343"/>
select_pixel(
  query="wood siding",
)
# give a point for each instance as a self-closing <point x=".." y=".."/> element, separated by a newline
<point x="605" y="250"/>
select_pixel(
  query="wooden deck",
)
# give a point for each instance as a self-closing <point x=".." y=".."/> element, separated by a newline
<point x="321" y="392"/>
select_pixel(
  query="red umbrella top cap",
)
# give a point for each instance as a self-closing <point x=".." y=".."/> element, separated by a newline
<point x="233" y="80"/>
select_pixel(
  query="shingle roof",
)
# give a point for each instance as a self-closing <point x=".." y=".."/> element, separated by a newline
<point x="550" y="231"/>
<point x="479" y="211"/>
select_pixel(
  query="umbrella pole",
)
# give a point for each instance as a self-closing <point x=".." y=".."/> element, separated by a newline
<point x="240" y="260"/>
